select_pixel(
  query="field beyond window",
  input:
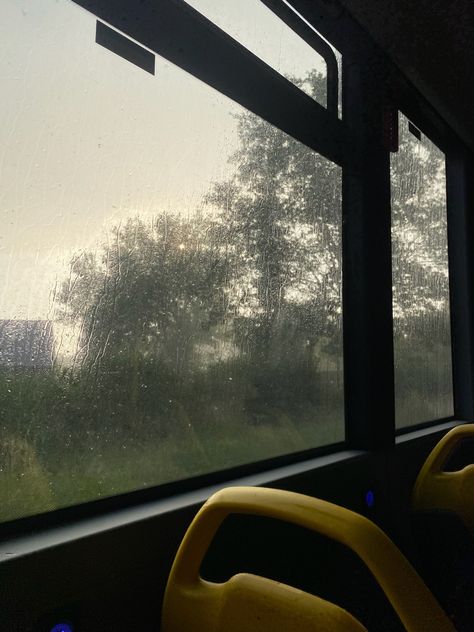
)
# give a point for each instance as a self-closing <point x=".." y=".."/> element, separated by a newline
<point x="170" y="274"/>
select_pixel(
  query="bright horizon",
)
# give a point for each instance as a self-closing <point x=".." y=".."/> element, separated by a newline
<point x="88" y="139"/>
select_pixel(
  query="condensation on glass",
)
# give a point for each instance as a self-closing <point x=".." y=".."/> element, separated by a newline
<point x="170" y="274"/>
<point x="263" y="33"/>
<point x="422" y="338"/>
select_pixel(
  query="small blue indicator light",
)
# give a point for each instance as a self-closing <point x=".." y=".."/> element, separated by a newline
<point x="370" y="498"/>
<point x="62" y="627"/>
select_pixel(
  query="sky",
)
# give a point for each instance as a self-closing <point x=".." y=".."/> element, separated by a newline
<point x="88" y="139"/>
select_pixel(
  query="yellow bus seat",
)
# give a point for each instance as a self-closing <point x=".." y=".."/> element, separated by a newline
<point x="255" y="604"/>
<point x="437" y="490"/>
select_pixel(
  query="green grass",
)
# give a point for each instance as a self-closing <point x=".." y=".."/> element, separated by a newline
<point x="25" y="487"/>
<point x="67" y="439"/>
<point x="97" y="468"/>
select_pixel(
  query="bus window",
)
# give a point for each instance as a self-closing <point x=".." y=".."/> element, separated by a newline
<point x="170" y="273"/>
<point x="422" y="338"/>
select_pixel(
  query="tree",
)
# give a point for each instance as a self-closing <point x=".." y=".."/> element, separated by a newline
<point x="257" y="271"/>
<point x="154" y="287"/>
<point x="422" y="341"/>
<point x="421" y="284"/>
<point x="146" y="302"/>
<point x="282" y="218"/>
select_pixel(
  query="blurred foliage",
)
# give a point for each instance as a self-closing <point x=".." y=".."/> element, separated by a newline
<point x="214" y="340"/>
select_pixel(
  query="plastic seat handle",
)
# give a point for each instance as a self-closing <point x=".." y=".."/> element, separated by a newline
<point x="437" y="490"/>
<point x="411" y="599"/>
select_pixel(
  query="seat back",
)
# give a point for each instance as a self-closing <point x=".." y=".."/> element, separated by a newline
<point x="437" y="490"/>
<point x="257" y="604"/>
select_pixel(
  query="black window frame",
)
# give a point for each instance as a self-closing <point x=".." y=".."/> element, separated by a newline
<point x="460" y="227"/>
<point x="442" y="142"/>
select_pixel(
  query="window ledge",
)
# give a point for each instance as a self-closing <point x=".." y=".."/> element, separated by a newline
<point x="427" y="432"/>
<point x="29" y="544"/>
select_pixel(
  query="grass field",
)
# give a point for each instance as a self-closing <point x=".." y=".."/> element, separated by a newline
<point x="98" y="466"/>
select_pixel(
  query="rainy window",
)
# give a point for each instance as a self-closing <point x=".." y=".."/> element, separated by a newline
<point x="422" y="339"/>
<point x="170" y="278"/>
<point x="256" y="27"/>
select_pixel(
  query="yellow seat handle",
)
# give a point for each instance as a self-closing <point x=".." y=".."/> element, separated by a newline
<point x="437" y="490"/>
<point x="413" y="602"/>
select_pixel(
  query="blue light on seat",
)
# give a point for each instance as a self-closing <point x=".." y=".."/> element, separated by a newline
<point x="370" y="498"/>
<point x="62" y="627"/>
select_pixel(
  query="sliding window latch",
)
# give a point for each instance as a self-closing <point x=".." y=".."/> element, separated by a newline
<point x="390" y="129"/>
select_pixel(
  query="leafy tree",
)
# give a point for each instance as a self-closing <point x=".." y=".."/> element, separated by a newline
<point x="154" y="288"/>
<point x="281" y="213"/>
<point x="260" y="272"/>
<point x="256" y="271"/>
<point x="146" y="302"/>
<point x="421" y="285"/>
<point x="423" y="372"/>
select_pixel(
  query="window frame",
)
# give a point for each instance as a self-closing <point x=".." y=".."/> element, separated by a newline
<point x="243" y="77"/>
<point x="419" y="122"/>
<point x="459" y="212"/>
<point x="236" y="72"/>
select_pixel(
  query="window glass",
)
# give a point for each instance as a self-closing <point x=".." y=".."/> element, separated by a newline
<point x="256" y="27"/>
<point x="422" y="338"/>
<point x="170" y="280"/>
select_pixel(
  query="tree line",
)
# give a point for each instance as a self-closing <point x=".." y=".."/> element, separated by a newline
<point x="232" y="315"/>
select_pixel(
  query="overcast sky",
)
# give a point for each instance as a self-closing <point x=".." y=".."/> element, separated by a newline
<point x="88" y="139"/>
